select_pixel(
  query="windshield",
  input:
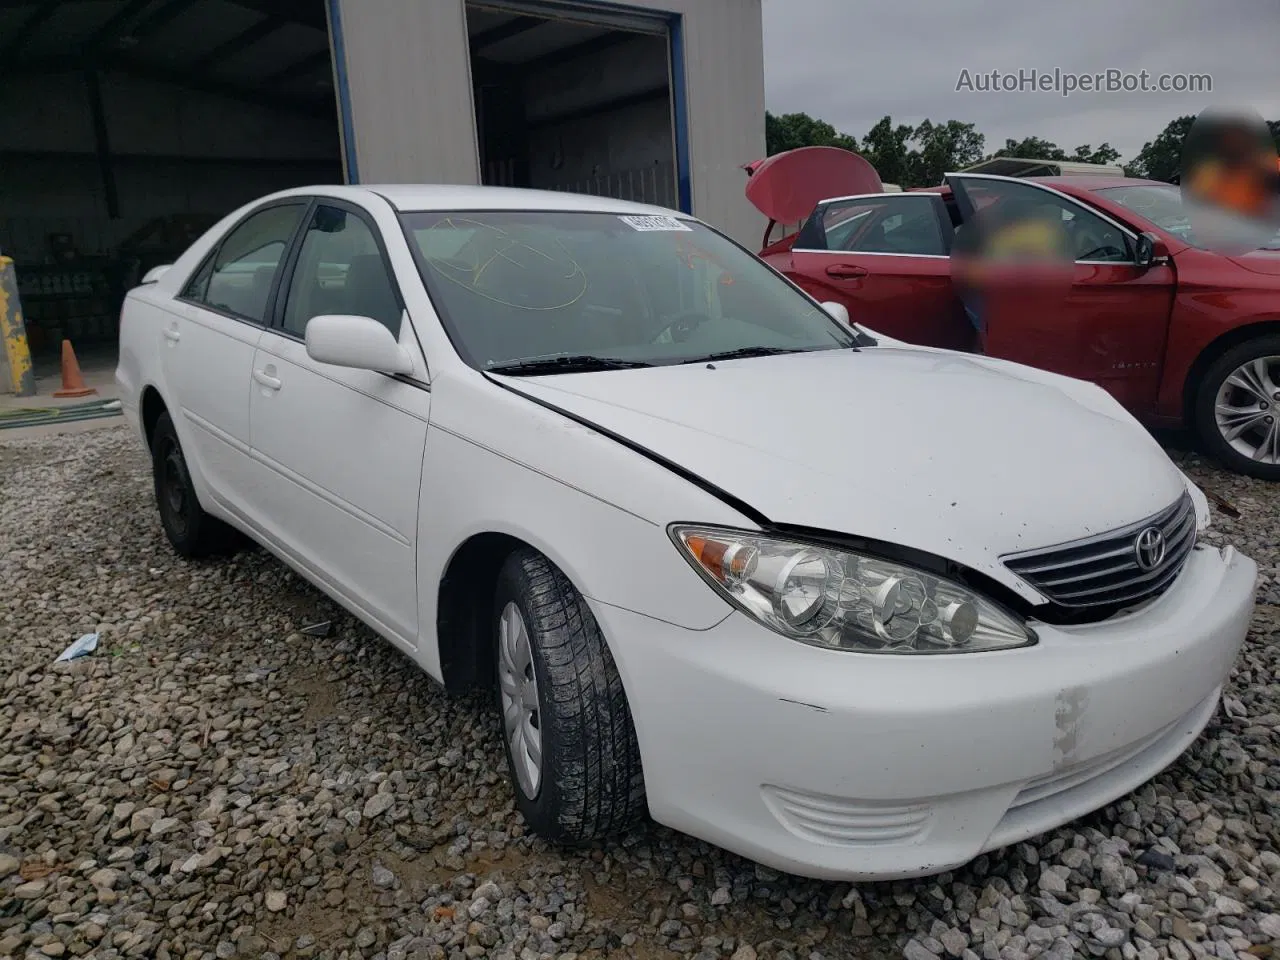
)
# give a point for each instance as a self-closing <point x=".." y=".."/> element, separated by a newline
<point x="519" y="286"/>
<point x="1162" y="205"/>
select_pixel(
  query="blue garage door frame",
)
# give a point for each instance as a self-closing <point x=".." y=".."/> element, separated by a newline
<point x="679" y="102"/>
<point x="338" y="53"/>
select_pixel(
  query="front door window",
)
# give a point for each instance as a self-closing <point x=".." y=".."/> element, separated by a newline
<point x="341" y="270"/>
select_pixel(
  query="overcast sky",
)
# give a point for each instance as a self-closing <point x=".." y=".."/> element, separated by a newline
<point x="850" y="62"/>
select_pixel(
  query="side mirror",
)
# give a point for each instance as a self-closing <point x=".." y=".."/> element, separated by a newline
<point x="155" y="273"/>
<point x="1151" y="250"/>
<point x="359" y="342"/>
<point x="837" y="311"/>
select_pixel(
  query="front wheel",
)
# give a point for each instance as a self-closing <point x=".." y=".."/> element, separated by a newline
<point x="1237" y="408"/>
<point x="570" y="742"/>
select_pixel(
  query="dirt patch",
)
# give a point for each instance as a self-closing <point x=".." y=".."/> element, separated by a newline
<point x="321" y="695"/>
<point x="303" y="605"/>
<point x="641" y="950"/>
<point x="624" y="896"/>
<point x="507" y="861"/>
<point x="612" y="899"/>
<point x="419" y="874"/>
<point x="313" y="918"/>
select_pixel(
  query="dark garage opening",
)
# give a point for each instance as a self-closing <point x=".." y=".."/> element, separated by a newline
<point x="130" y="126"/>
<point x="574" y="102"/>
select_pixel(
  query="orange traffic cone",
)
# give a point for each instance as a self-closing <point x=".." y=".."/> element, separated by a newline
<point x="73" y="384"/>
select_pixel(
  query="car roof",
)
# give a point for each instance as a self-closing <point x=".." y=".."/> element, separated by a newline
<point x="1068" y="184"/>
<point x="1092" y="183"/>
<point x="413" y="197"/>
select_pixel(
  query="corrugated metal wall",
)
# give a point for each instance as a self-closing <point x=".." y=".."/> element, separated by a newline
<point x="724" y="69"/>
<point x="409" y="80"/>
<point x="409" y="84"/>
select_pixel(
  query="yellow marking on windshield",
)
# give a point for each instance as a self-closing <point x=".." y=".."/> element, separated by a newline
<point x="504" y="245"/>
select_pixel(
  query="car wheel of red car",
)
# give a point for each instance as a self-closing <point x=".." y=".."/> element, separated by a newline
<point x="1237" y="408"/>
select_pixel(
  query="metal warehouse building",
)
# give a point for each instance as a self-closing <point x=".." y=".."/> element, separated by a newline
<point x="128" y="126"/>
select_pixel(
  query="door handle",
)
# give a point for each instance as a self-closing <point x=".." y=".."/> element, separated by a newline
<point x="172" y="334"/>
<point x="846" y="271"/>
<point x="267" y="380"/>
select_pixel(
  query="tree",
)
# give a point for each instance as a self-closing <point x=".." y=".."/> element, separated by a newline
<point x="1036" y="148"/>
<point x="1161" y="158"/>
<point x="885" y="146"/>
<point x="1031" y="148"/>
<point x="922" y="155"/>
<point x="910" y="156"/>
<point x="1104" y="154"/>
<point x="942" y="148"/>
<point x="791" y="130"/>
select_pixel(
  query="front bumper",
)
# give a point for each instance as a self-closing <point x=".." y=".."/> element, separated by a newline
<point x="858" y="767"/>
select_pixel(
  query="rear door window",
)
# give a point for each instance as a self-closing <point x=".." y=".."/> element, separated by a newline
<point x="902" y="224"/>
<point x="239" y="277"/>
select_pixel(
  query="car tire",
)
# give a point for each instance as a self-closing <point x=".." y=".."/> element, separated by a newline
<point x="1212" y="427"/>
<point x="565" y="722"/>
<point x="192" y="532"/>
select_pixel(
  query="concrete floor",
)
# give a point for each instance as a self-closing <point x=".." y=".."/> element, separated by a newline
<point x="95" y="361"/>
<point x="98" y="367"/>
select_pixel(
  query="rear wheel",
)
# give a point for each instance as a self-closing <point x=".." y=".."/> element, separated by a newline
<point x="1237" y="408"/>
<point x="571" y="746"/>
<point x="191" y="531"/>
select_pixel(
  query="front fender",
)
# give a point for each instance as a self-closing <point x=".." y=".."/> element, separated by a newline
<point x="1211" y="306"/>
<point x="498" y="463"/>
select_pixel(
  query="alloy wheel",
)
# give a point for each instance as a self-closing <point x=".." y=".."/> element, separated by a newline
<point x="1247" y="410"/>
<point x="518" y="685"/>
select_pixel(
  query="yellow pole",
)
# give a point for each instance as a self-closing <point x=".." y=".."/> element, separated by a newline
<point x="13" y="331"/>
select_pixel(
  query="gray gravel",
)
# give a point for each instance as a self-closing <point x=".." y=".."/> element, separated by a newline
<point x="213" y="783"/>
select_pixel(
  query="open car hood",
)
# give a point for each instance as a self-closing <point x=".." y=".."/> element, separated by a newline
<point x="787" y="186"/>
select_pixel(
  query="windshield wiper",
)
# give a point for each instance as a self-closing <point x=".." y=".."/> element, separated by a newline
<point x="570" y="363"/>
<point x="743" y="353"/>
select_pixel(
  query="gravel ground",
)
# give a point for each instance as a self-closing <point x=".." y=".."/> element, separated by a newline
<point x="213" y="783"/>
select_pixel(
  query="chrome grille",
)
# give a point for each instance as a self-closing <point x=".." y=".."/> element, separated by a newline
<point x="1104" y="571"/>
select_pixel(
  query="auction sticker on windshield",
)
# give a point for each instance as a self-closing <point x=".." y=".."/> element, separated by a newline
<point x="654" y="223"/>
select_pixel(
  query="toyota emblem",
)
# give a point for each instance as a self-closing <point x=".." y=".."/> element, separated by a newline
<point x="1149" y="548"/>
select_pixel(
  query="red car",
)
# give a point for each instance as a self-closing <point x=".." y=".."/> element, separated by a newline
<point x="1177" y="333"/>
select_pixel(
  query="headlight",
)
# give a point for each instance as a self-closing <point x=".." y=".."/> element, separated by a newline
<point x="846" y="601"/>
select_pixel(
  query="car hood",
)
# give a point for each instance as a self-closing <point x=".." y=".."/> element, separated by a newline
<point x="1260" y="261"/>
<point x="787" y="186"/>
<point x="965" y="457"/>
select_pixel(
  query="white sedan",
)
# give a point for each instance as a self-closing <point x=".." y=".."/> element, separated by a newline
<point x="849" y="607"/>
